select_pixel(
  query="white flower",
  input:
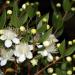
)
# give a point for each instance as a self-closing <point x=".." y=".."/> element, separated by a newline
<point x="9" y="36"/>
<point x="34" y="62"/>
<point x="52" y="38"/>
<point x="23" y="51"/>
<point x="5" y="55"/>
<point x="49" y="45"/>
<point x="47" y="52"/>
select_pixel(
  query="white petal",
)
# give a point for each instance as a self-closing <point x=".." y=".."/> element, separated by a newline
<point x="50" y="57"/>
<point x="43" y="53"/>
<point x="0" y="58"/>
<point x="31" y="47"/>
<point x="3" y="62"/>
<point x="16" y="40"/>
<point x="29" y="55"/>
<point x="8" y="43"/>
<point x="21" y="58"/>
<point x="16" y="53"/>
<point x="39" y="46"/>
<point x="3" y="37"/>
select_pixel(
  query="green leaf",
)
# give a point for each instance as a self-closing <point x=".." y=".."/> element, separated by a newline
<point x="2" y="19"/>
<point x="15" y="8"/>
<point x="15" y="21"/>
<point x="64" y="65"/>
<point x="42" y="28"/>
<point x="14" y="18"/>
<point x="45" y="36"/>
<point x="59" y="32"/>
<point x="31" y="11"/>
<point x="62" y="48"/>
<point x="60" y="72"/>
<point x="66" y="5"/>
<point x="23" y="19"/>
<point x="70" y="50"/>
<point x="57" y="21"/>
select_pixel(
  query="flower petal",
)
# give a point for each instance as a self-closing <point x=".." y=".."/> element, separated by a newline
<point x="21" y="58"/>
<point x="31" y="47"/>
<point x="3" y="37"/>
<point x="39" y="46"/>
<point x="29" y="55"/>
<point x="43" y="53"/>
<point x="3" y="62"/>
<point x="50" y="57"/>
<point x="16" y="53"/>
<point x="16" y="40"/>
<point x="8" y="43"/>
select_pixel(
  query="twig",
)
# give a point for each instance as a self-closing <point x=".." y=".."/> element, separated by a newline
<point x="65" y="15"/>
<point x="54" y="62"/>
<point x="29" y="68"/>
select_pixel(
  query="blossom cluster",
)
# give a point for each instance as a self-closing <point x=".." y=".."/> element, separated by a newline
<point x="12" y="46"/>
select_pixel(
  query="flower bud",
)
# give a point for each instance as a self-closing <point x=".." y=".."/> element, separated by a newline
<point x="73" y="56"/>
<point x="73" y="68"/>
<point x="24" y="6"/>
<point x="73" y="40"/>
<point x="46" y="43"/>
<point x="22" y="28"/>
<point x="9" y="12"/>
<point x="58" y="45"/>
<point x="7" y="2"/>
<point x="48" y="27"/>
<point x="33" y="31"/>
<point x="58" y="5"/>
<point x="57" y="57"/>
<point x="73" y="8"/>
<point x="21" y="9"/>
<point x="38" y="13"/>
<point x="69" y="59"/>
<point x="50" y="70"/>
<point x="44" y="20"/>
<point x="69" y="42"/>
<point x="27" y="3"/>
<point x="32" y="4"/>
<point x="69" y="72"/>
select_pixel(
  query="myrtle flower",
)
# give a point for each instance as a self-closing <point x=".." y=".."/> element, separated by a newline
<point x="23" y="51"/>
<point x="9" y="36"/>
<point x="5" y="56"/>
<point x="34" y="62"/>
<point x="50" y="47"/>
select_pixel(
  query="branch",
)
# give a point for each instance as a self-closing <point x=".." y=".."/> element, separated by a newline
<point x="54" y="62"/>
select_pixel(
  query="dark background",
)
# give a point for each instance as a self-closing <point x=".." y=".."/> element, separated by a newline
<point x="44" y="7"/>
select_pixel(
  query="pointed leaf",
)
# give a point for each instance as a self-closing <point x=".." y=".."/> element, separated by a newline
<point x="66" y="5"/>
<point x="2" y="19"/>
